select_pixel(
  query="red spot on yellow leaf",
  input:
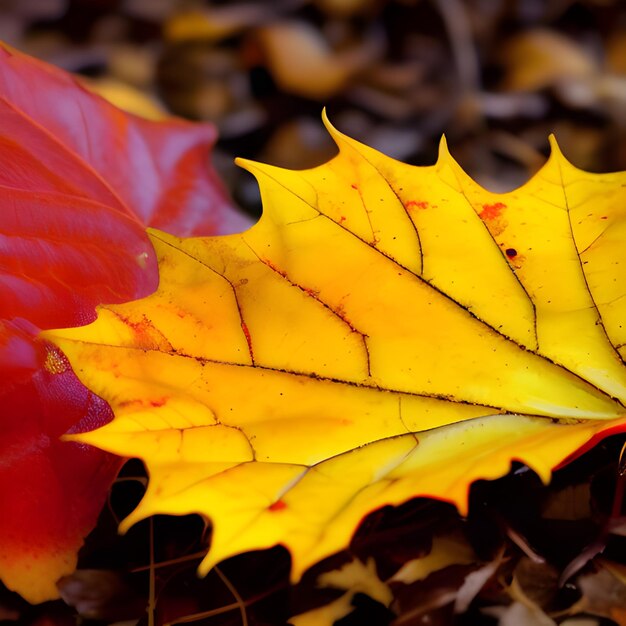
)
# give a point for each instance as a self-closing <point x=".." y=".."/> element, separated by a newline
<point x="246" y="332"/>
<point x="145" y="334"/>
<point x="279" y="505"/>
<point x="417" y="204"/>
<point x="273" y="267"/>
<point x="492" y="211"/>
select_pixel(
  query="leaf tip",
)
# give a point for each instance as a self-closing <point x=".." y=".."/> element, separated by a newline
<point x="556" y="152"/>
<point x="253" y="167"/>
<point x="326" y="121"/>
<point x="205" y="566"/>
<point x="76" y="437"/>
<point x="245" y="164"/>
<point x="555" y="149"/>
<point x="131" y="519"/>
<point x="444" y="151"/>
<point x="337" y="136"/>
<point x="84" y="438"/>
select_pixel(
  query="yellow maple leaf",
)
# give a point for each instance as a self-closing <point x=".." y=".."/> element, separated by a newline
<point x="385" y="331"/>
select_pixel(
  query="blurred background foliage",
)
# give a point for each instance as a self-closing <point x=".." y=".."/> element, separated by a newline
<point x="497" y="76"/>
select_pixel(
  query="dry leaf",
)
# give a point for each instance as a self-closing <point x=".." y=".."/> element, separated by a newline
<point x="604" y="594"/>
<point x="355" y="577"/>
<point x="445" y="551"/>
<point x="518" y="614"/>
<point x="302" y="61"/>
<point x="101" y="595"/>
<point x="475" y="581"/>
<point x="214" y="23"/>
<point x="542" y="58"/>
<point x="534" y="584"/>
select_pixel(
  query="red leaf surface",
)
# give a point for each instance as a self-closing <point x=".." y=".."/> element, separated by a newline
<point x="79" y="181"/>
<point x="164" y="176"/>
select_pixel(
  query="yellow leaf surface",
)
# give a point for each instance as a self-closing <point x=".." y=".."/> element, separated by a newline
<point x="385" y="331"/>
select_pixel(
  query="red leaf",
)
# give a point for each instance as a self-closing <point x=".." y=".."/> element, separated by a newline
<point x="50" y="492"/>
<point x="164" y="178"/>
<point x="79" y="181"/>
